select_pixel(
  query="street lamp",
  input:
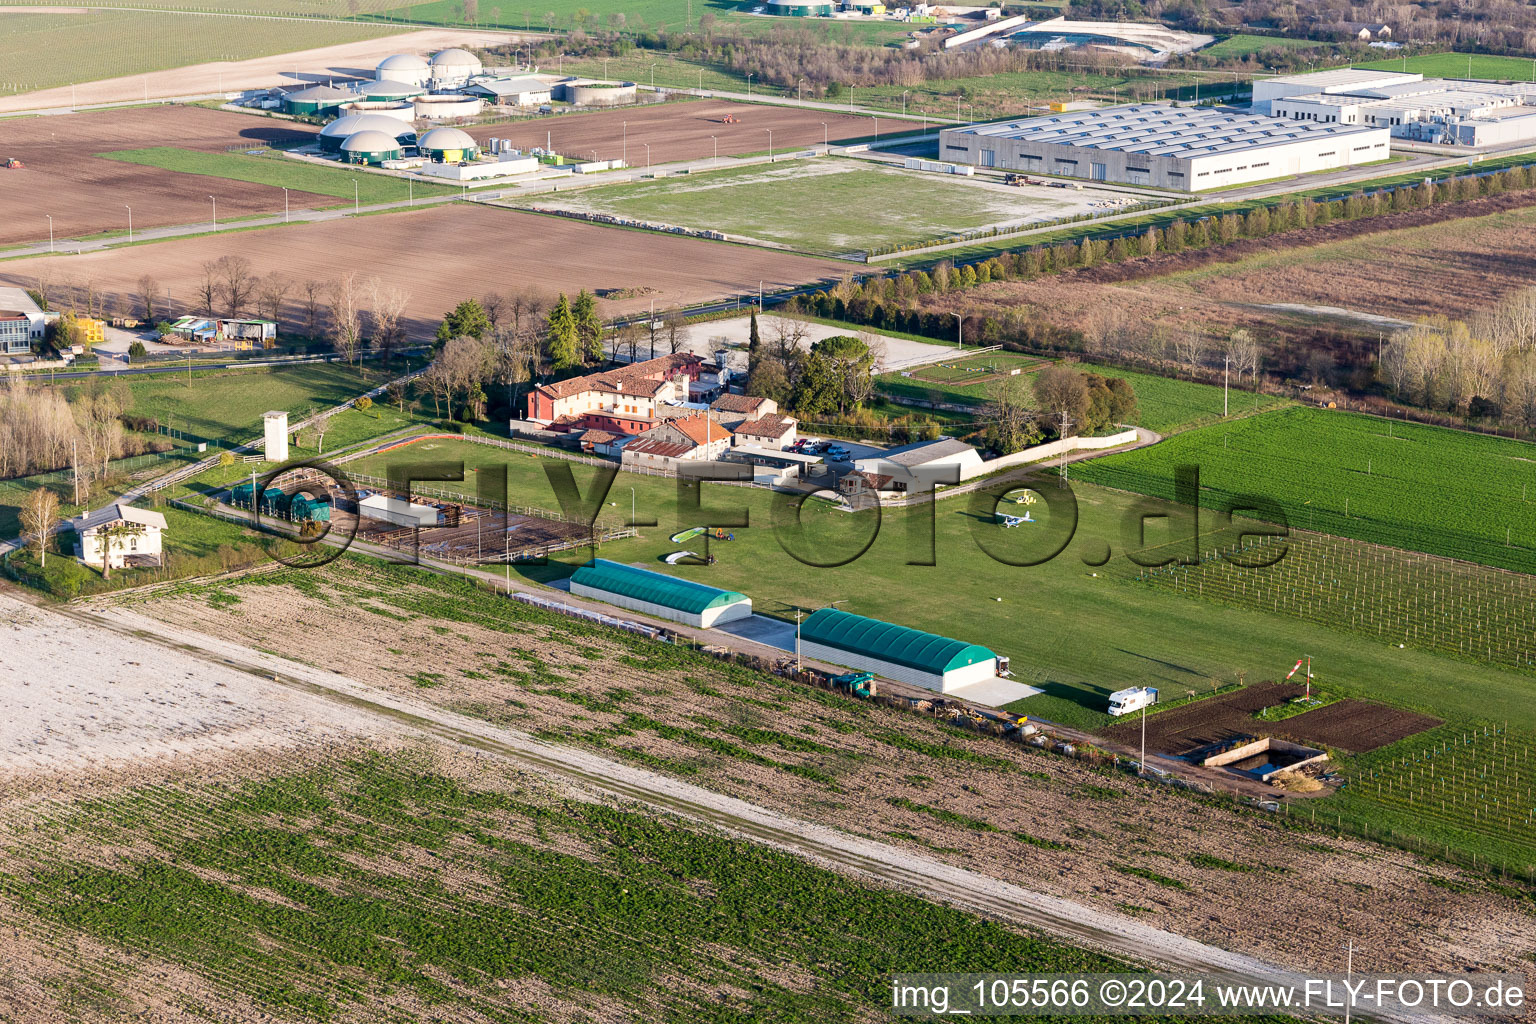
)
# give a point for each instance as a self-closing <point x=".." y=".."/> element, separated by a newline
<point x="285" y="204"/>
<point x="50" y="231"/>
<point x="130" y="221"/>
<point x="215" y="203"/>
<point x="770" y="144"/>
<point x="355" y="207"/>
<point x="959" y="330"/>
<point x="624" y="143"/>
<point x="904" y="101"/>
<point x="799" y="97"/>
<point x="647" y="146"/>
<point x="824" y="143"/>
<point x="749" y="82"/>
<point x="716" y="159"/>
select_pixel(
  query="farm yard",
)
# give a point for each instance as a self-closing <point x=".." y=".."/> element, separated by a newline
<point x="1396" y="596"/>
<point x="911" y="781"/>
<point x="73" y="172"/>
<point x="832" y="203"/>
<point x="1138" y="624"/>
<point x="680" y="130"/>
<point x="1422" y="488"/>
<point x="626" y="269"/>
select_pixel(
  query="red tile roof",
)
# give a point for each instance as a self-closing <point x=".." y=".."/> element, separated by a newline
<point x="738" y="403"/>
<point x="700" y="428"/>
<point x="643" y="378"/>
<point x="656" y="446"/>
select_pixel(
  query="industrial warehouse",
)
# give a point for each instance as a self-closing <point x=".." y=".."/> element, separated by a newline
<point x="1409" y="106"/>
<point x="1190" y="149"/>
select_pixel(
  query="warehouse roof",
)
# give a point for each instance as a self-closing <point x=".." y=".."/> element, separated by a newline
<point x="925" y="652"/>
<point x="655" y="587"/>
<point x="1153" y="130"/>
<point x="920" y="453"/>
<point x="1335" y="77"/>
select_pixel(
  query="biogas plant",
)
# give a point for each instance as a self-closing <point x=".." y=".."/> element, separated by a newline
<point x="410" y="116"/>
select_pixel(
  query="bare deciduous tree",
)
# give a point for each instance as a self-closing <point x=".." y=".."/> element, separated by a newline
<point x="149" y="296"/>
<point x="312" y="304"/>
<point x="208" y="286"/>
<point x="346" y="316"/>
<point x="37" y="519"/>
<point x="271" y="294"/>
<point x="237" y="283"/>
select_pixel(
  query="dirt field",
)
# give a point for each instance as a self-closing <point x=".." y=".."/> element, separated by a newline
<point x="1352" y="725"/>
<point x="1357" y="725"/>
<point x="444" y="254"/>
<point x="873" y="771"/>
<point x="309" y="66"/>
<point x="681" y="130"/>
<point x="85" y="194"/>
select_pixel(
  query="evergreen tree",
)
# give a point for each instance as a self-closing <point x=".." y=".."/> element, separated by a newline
<point x="589" y="326"/>
<point x="754" y="340"/>
<point x="561" y="338"/>
<point x="467" y="320"/>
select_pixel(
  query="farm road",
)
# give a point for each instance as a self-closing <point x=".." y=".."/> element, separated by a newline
<point x="138" y="635"/>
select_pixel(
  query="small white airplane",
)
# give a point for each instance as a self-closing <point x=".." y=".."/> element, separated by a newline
<point x="1011" y="521"/>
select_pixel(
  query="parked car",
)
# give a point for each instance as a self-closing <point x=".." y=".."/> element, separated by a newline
<point x="838" y="452"/>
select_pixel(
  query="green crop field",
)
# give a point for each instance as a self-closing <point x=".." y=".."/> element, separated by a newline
<point x="1166" y="405"/>
<point x="1461" y="65"/>
<point x="634" y="15"/>
<point x="367" y="883"/>
<point x="1430" y="489"/>
<point x="109" y="44"/>
<point x="1142" y="635"/>
<point x="281" y="172"/>
<point x="819" y="204"/>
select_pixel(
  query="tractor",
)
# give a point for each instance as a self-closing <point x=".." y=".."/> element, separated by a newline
<point x="857" y="684"/>
<point x="12" y="164"/>
<point x="730" y="119"/>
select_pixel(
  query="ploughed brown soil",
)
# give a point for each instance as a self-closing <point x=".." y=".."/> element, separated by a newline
<point x="85" y="193"/>
<point x="1357" y="725"/>
<point x="681" y="130"/>
<point x="443" y="254"/>
<point x="1181" y="730"/>
<point x="1055" y="825"/>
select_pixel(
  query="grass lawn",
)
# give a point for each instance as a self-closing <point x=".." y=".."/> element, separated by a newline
<point x="1444" y="492"/>
<point x="1244" y="45"/>
<point x="114" y="43"/>
<point x="226" y="405"/>
<point x="638" y="15"/>
<point x="1037" y="615"/>
<point x="1461" y="65"/>
<point x="820" y="204"/>
<point x="281" y="172"/>
<point x="1167" y="405"/>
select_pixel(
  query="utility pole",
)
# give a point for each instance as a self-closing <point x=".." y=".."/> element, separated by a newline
<point x="215" y="203"/>
<point x="1226" y="366"/>
<point x="959" y="331"/>
<point x="74" y="458"/>
<point x="797" y="641"/>
<point x="1065" y="423"/>
<point x="1141" y="769"/>
<point x="1349" y="971"/>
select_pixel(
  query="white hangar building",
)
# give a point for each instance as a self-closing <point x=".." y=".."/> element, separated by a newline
<point x="1185" y="148"/>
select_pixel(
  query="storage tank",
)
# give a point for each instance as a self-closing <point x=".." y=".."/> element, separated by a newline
<point x="447" y="105"/>
<point x="448" y="145"/>
<point x="337" y="132"/>
<point x="453" y="67"/>
<point x="404" y="67"/>
<point x="315" y="101"/>
<point x="371" y="147"/>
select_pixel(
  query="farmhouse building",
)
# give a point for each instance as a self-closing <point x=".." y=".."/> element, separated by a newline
<point x="21" y="322"/>
<point x="695" y="438"/>
<point x="622" y="400"/>
<point x="734" y="410"/>
<point x="770" y="431"/>
<point x="127" y="536"/>
<point x="915" y="466"/>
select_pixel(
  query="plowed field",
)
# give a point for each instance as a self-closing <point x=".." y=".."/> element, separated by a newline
<point x="445" y="254"/>
<point x="682" y="130"/>
<point x="1357" y="725"/>
<point x="86" y="194"/>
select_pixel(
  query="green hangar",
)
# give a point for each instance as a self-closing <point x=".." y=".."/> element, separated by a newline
<point x="658" y="594"/>
<point x="896" y="652"/>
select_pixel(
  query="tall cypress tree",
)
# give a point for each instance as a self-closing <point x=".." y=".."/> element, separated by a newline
<point x="753" y="341"/>
<point x="589" y="326"/>
<point x="561" y="339"/>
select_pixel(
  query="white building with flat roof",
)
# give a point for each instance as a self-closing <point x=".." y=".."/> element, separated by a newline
<point x="21" y="322"/>
<point x="1333" y="81"/>
<point x="1444" y="111"/>
<point x="1186" y="148"/>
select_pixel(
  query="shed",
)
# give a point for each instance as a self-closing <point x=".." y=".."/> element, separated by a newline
<point x="655" y="593"/>
<point x="896" y="652"/>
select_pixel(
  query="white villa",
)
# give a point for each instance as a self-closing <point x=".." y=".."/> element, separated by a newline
<point x="137" y="547"/>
